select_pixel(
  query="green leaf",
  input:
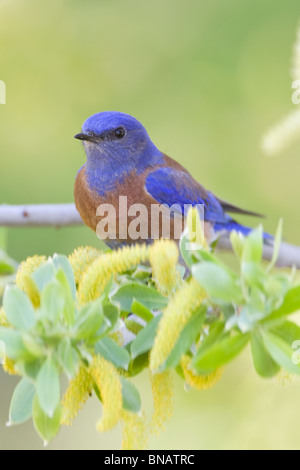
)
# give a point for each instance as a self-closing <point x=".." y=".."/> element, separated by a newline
<point x="208" y="257"/>
<point x="220" y="353"/>
<point x="131" y="396"/>
<point x="53" y="301"/>
<point x="275" y="289"/>
<point x="69" y="308"/>
<point x="62" y="262"/>
<point x="145" y="338"/>
<point x="68" y="358"/>
<point x="288" y="331"/>
<point x="138" y="364"/>
<point x="112" y="313"/>
<point x="253" y="246"/>
<point x="237" y="242"/>
<point x="264" y="365"/>
<point x="46" y="426"/>
<point x="21" y="403"/>
<point x="43" y="275"/>
<point x="253" y="273"/>
<point x="147" y="296"/>
<point x="282" y="352"/>
<point x="29" y="369"/>
<point x="215" y="331"/>
<point x="107" y="289"/>
<point x="277" y="242"/>
<point x="141" y="311"/>
<point x="90" y="319"/>
<point x="291" y="304"/>
<point x="34" y="345"/>
<point x="217" y="282"/>
<point x="48" y="387"/>
<point x="6" y="268"/>
<point x="112" y="352"/>
<point x="187" y="254"/>
<point x="18" y="308"/>
<point x="14" y="346"/>
<point x="187" y="337"/>
<point x="142" y="272"/>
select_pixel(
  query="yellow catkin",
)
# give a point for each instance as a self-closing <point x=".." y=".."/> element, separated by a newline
<point x="108" y="382"/>
<point x="76" y="395"/>
<point x="176" y="315"/>
<point x="24" y="280"/>
<point x="199" y="382"/>
<point x="9" y="367"/>
<point x="81" y="259"/>
<point x="162" y="391"/>
<point x="3" y="319"/>
<point x="134" y="431"/>
<point x="100" y="271"/>
<point x="163" y="257"/>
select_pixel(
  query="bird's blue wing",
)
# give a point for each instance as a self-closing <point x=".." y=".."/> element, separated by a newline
<point x="173" y="186"/>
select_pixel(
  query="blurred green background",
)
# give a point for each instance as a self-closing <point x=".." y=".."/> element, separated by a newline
<point x="207" y="79"/>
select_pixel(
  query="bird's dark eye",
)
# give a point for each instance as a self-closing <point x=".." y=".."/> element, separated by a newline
<point x="119" y="132"/>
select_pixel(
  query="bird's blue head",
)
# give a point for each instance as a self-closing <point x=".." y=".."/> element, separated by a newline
<point x="115" y="144"/>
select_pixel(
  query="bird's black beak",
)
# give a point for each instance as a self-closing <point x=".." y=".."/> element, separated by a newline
<point x="87" y="137"/>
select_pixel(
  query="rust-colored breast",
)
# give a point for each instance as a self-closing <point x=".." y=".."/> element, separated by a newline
<point x="85" y="200"/>
<point x="88" y="202"/>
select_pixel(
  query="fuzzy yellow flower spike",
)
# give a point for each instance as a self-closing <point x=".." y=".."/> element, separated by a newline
<point x="109" y="384"/>
<point x="24" y="280"/>
<point x="134" y="431"/>
<point x="81" y="259"/>
<point x="176" y="315"/>
<point x="199" y="382"/>
<point x="162" y="391"/>
<point x="76" y="395"/>
<point x="163" y="257"/>
<point x="100" y="271"/>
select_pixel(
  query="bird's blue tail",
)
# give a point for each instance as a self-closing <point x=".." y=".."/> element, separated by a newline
<point x="233" y="225"/>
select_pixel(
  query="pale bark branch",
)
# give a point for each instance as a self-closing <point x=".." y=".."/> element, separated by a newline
<point x="39" y="215"/>
<point x="64" y="215"/>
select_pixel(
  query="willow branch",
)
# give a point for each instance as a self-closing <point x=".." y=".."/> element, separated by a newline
<point x="39" y="215"/>
<point x="64" y="215"/>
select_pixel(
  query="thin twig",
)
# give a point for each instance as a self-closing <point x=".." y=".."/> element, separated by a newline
<point x="39" y="215"/>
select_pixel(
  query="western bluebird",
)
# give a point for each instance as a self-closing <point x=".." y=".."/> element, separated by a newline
<point x="123" y="161"/>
